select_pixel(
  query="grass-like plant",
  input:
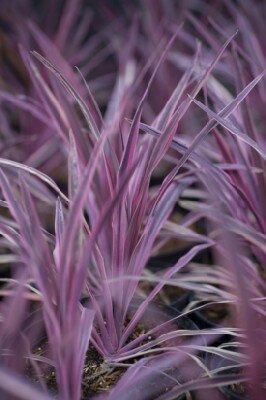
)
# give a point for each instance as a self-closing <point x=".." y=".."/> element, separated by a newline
<point x="78" y="241"/>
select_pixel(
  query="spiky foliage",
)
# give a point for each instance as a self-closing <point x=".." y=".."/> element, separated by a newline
<point x="80" y="262"/>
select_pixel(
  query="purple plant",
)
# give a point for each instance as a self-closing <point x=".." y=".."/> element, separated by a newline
<point x="114" y="273"/>
<point x="79" y="257"/>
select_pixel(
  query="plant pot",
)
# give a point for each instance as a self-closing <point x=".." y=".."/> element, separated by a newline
<point x="232" y="394"/>
<point x="233" y="391"/>
<point x="158" y="312"/>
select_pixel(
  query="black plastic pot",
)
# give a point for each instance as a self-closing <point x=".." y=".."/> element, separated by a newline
<point x="231" y="395"/>
<point x="182" y="301"/>
<point x="198" y="317"/>
<point x="159" y="313"/>
<point x="168" y="258"/>
<point x="165" y="260"/>
<point x="229" y="392"/>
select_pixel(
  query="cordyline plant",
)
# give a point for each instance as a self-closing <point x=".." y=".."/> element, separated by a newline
<point x="82" y="288"/>
<point x="103" y="255"/>
<point x="242" y="157"/>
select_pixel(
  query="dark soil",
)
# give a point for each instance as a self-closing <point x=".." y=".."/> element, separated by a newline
<point x="97" y="375"/>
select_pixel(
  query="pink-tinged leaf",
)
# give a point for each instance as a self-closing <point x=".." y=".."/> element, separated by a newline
<point x="203" y="80"/>
<point x="22" y="389"/>
<point x="203" y="384"/>
<point x="74" y="217"/>
<point x="59" y="229"/>
<point x="85" y="328"/>
<point x="130" y="149"/>
<point x="55" y="57"/>
<point x="247" y="232"/>
<point x="54" y="108"/>
<point x="229" y="125"/>
<point x="74" y="175"/>
<point x="83" y="106"/>
<point x="40" y="175"/>
<point x="68" y="18"/>
<point x="25" y="104"/>
<point x="41" y="260"/>
<point x="15" y="207"/>
<point x="204" y="31"/>
<point x="169" y="108"/>
<point x="38" y="189"/>
<point x="10" y="234"/>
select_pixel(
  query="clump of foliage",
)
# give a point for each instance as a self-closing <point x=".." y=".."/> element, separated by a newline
<point x="153" y="144"/>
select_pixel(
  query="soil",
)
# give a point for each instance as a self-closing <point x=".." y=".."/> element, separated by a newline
<point x="47" y="372"/>
<point x="238" y="389"/>
<point x="97" y="375"/>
